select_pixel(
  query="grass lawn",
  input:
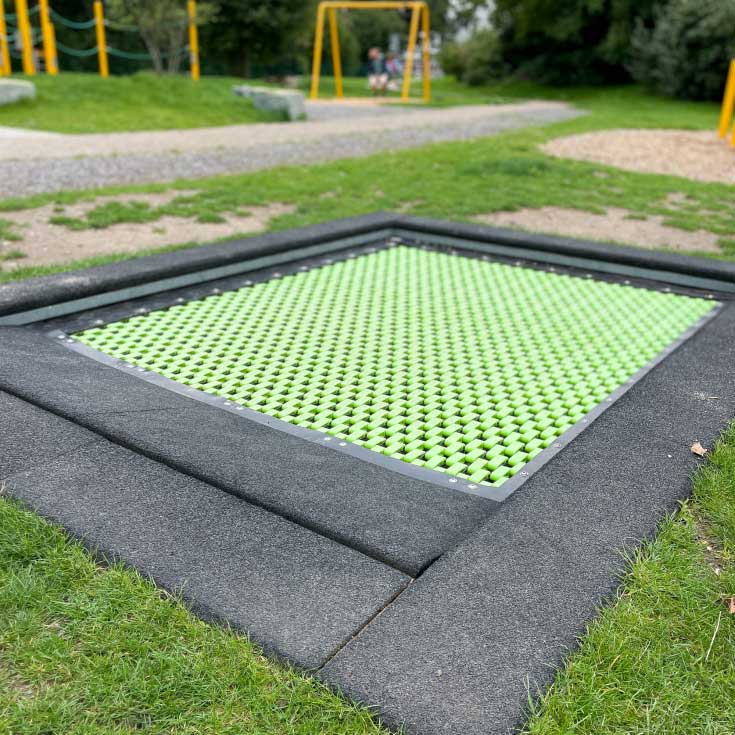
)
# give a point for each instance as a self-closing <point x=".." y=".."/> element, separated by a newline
<point x="453" y="180"/>
<point x="91" y="650"/>
<point x="86" y="103"/>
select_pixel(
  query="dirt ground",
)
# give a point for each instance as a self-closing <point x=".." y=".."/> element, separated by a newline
<point x="44" y="243"/>
<point x="616" y="225"/>
<point x="697" y="155"/>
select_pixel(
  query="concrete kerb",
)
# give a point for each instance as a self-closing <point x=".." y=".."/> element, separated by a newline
<point x="16" y="90"/>
<point x="288" y="102"/>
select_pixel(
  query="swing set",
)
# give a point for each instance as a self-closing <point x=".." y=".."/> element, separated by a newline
<point x="419" y="14"/>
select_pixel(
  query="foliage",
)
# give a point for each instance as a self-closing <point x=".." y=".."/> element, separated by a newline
<point x="452" y="59"/>
<point x="242" y="39"/>
<point x="569" y="41"/>
<point x="687" y="52"/>
<point x="245" y="33"/>
<point x="477" y="60"/>
<point x="162" y="25"/>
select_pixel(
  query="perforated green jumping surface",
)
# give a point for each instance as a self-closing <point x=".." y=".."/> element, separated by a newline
<point x="452" y="363"/>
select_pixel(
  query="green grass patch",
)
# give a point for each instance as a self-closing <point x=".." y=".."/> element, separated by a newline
<point x="8" y="232"/>
<point x="21" y="273"/>
<point x="85" y="649"/>
<point x="11" y="255"/>
<point x="86" y="103"/>
<point x="662" y="659"/>
<point x="108" y="214"/>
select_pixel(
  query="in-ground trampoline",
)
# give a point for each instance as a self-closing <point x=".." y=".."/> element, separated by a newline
<point x="403" y="453"/>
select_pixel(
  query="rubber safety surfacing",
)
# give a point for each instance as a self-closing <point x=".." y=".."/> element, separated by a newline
<point x="461" y="365"/>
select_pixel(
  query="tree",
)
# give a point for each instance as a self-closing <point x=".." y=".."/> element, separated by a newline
<point x="687" y="51"/>
<point x="570" y="41"/>
<point x="162" y="25"/>
<point x="255" y="31"/>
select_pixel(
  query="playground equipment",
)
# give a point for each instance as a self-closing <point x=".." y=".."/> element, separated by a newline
<point x="23" y="35"/>
<point x="419" y="12"/>
<point x="5" y="68"/>
<point x="49" y="39"/>
<point x="191" y="10"/>
<point x="728" y="104"/>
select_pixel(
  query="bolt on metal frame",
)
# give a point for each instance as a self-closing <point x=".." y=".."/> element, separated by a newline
<point x="419" y="13"/>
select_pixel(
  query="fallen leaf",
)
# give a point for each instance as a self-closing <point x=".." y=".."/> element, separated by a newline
<point x="698" y="449"/>
<point x="731" y="605"/>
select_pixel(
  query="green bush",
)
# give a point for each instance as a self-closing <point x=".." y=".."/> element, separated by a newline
<point x="568" y="42"/>
<point x="686" y="53"/>
<point x="477" y="60"/>
<point x="452" y="59"/>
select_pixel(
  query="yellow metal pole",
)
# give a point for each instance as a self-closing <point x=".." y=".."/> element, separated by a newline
<point x="336" y="55"/>
<point x="49" y="39"/>
<point x="99" y="22"/>
<point x="728" y="103"/>
<point x="191" y="8"/>
<point x="5" y="67"/>
<point x="426" y="53"/>
<point x="318" y="43"/>
<point x="412" y="34"/>
<point x="52" y="36"/>
<point x="26" y="36"/>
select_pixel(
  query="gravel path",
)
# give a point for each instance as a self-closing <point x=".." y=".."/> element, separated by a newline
<point x="55" y="163"/>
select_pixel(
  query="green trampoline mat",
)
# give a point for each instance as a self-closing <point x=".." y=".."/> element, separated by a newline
<point x="452" y="363"/>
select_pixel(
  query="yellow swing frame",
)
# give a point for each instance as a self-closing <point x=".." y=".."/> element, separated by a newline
<point x="728" y="105"/>
<point x="419" y="12"/>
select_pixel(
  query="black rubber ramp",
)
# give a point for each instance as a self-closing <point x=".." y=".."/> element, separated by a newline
<point x="299" y="595"/>
<point x="358" y="503"/>
<point x="457" y="651"/>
